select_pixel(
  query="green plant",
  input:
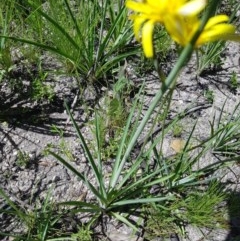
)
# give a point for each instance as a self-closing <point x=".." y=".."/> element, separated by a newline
<point x="92" y="51"/>
<point x="141" y="175"/>
<point x="234" y="82"/>
<point x="210" y="56"/>
<point x="39" y="223"/>
<point x="112" y="114"/>
<point x="226" y="129"/>
<point x="40" y="90"/>
<point x="209" y="95"/>
<point x="161" y="222"/>
<point x="12" y="53"/>
<point x="63" y="147"/>
<point x="23" y="159"/>
<point x="11" y="22"/>
<point x="6" y="16"/>
<point x="128" y="186"/>
<point x="177" y="130"/>
<point x="174" y="176"/>
<point x="200" y="208"/>
<point x="3" y="74"/>
<point x="83" y="234"/>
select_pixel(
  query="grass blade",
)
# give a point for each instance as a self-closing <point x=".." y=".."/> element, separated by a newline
<point x="98" y="174"/>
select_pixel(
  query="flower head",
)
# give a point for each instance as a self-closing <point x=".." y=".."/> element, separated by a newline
<point x="182" y="29"/>
<point x="149" y="12"/>
<point x="181" y="20"/>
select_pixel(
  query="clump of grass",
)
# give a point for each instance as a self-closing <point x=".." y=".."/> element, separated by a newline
<point x="83" y="234"/>
<point x="226" y="132"/>
<point x="92" y="52"/>
<point x="197" y="208"/>
<point x="23" y="159"/>
<point x="210" y="58"/>
<point x="63" y="147"/>
<point x="42" y="221"/>
<point x="112" y="114"/>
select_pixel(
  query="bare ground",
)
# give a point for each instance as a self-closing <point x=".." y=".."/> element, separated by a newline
<point x="26" y="128"/>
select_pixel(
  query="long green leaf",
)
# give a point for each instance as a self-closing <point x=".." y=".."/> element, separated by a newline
<point x="23" y="216"/>
<point x="110" y="63"/>
<point x="42" y="46"/>
<point x="123" y="142"/>
<point x="74" y="20"/>
<point x="56" y="25"/>
<point x="100" y="170"/>
<point x="124" y="220"/>
<point x="98" y="175"/>
<point x="142" y="200"/>
<point x="80" y="204"/>
<point x="82" y="177"/>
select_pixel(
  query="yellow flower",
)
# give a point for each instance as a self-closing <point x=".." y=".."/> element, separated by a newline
<point x="182" y="29"/>
<point x="150" y="12"/>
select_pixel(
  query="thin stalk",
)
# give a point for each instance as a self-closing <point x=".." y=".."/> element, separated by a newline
<point x="159" y="70"/>
<point x="198" y="62"/>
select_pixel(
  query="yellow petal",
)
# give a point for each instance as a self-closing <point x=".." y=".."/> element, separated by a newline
<point x="192" y="7"/>
<point x="147" y="38"/>
<point x="219" y="32"/>
<point x="179" y="30"/>
<point x="156" y="4"/>
<point x="216" y="20"/>
<point x="137" y="24"/>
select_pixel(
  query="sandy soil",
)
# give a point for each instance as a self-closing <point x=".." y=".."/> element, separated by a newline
<point x="27" y="128"/>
